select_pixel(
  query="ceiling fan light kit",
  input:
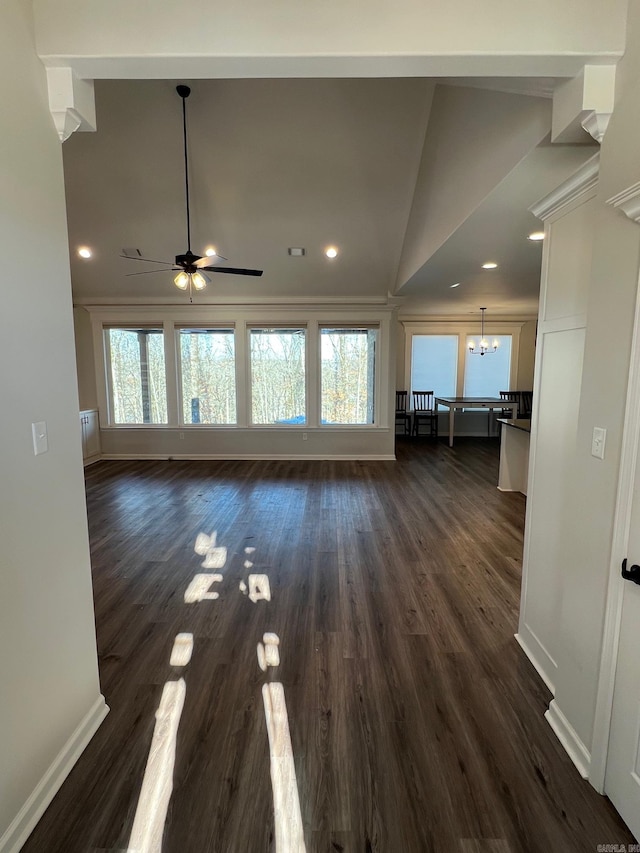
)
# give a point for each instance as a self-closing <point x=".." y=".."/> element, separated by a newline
<point x="189" y="266"/>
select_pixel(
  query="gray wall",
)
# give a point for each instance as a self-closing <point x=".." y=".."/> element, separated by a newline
<point x="48" y="665"/>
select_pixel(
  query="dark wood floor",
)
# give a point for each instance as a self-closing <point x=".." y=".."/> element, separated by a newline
<point x="416" y="721"/>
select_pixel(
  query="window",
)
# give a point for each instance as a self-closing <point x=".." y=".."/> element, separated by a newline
<point x="278" y="376"/>
<point x="434" y="364"/>
<point x="138" y="382"/>
<point x="347" y="365"/>
<point x="208" y="373"/>
<point x="487" y="375"/>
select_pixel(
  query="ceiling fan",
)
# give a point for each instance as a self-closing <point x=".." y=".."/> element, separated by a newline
<point x="189" y="266"/>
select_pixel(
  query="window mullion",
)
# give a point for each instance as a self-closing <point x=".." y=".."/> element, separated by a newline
<point x="144" y="377"/>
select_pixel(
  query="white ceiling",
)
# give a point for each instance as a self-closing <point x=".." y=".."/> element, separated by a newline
<point x="279" y="163"/>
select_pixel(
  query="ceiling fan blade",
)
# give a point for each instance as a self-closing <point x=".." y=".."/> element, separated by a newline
<point x="146" y="260"/>
<point x="232" y="270"/>
<point x="147" y="272"/>
<point x="208" y="259"/>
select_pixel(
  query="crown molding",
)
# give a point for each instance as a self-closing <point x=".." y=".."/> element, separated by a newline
<point x="581" y="182"/>
<point x="232" y="301"/>
<point x="628" y="201"/>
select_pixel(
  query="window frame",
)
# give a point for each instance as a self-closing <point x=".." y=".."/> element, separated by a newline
<point x="376" y="374"/>
<point x="108" y="373"/>
<point x="248" y="391"/>
<point x="243" y="317"/>
<point x="468" y="355"/>
<point x="463" y="329"/>
<point x="205" y="327"/>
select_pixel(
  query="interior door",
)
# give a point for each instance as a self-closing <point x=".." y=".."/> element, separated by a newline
<point x="622" y="782"/>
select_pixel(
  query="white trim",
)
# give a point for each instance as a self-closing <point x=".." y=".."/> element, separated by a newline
<point x="90" y="460"/>
<point x="582" y="181"/>
<point x="569" y="738"/>
<point x="620" y="539"/>
<point x="628" y="201"/>
<point x="309" y="303"/>
<point x="25" y="821"/>
<point x="319" y="457"/>
<point x="562" y="324"/>
<point x="540" y="658"/>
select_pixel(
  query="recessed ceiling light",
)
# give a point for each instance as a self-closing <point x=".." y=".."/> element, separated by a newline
<point x="210" y="252"/>
<point x="331" y="252"/>
<point x="85" y="252"/>
<point x="455" y="285"/>
<point x="536" y="236"/>
<point x="490" y="265"/>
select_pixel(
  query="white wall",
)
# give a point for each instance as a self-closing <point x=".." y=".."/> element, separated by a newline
<point x="612" y="288"/>
<point x="379" y="38"/>
<point x="48" y="665"/>
<point x="474" y="139"/>
<point x="608" y="280"/>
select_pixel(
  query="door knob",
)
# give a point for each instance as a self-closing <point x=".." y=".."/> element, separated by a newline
<point x="632" y="574"/>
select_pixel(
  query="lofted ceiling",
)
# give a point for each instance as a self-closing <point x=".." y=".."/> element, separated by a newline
<point x="291" y="163"/>
<point x="273" y="164"/>
<point x="497" y="231"/>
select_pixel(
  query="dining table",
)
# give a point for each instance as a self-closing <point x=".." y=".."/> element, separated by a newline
<point x="488" y="403"/>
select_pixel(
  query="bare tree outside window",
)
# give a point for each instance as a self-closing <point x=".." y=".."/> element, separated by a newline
<point x="278" y="376"/>
<point x="348" y="375"/>
<point x="208" y="369"/>
<point x="138" y="381"/>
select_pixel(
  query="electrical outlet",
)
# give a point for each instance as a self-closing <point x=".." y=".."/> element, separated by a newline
<point x="598" y="442"/>
<point x="181" y="436"/>
<point x="304" y="436"/>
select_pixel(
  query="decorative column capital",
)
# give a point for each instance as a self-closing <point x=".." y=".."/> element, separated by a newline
<point x="71" y="102"/>
<point x="596" y="123"/>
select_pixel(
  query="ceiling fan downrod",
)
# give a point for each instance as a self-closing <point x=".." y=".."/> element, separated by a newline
<point x="184" y="92"/>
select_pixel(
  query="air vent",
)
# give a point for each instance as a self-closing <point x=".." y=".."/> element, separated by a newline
<point x="132" y="253"/>
<point x="297" y="252"/>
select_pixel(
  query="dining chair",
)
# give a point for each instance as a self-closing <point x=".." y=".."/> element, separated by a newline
<point x="402" y="415"/>
<point x="424" y="412"/>
<point x="511" y="397"/>
<point x="526" y="400"/>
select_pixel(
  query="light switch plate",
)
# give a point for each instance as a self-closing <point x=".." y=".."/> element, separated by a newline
<point x="598" y="442"/>
<point x="40" y="440"/>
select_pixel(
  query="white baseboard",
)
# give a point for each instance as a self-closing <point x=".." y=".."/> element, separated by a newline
<point x="568" y="737"/>
<point x="347" y="457"/>
<point x="542" y="661"/>
<point x="91" y="459"/>
<point x="25" y="821"/>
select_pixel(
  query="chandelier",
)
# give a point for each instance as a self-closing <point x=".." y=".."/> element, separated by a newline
<point x="483" y="346"/>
